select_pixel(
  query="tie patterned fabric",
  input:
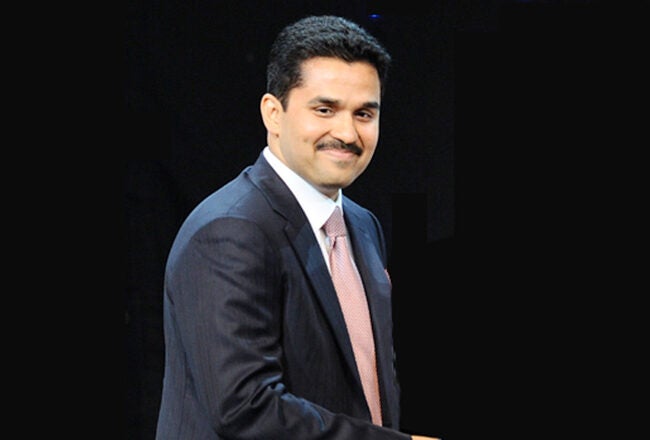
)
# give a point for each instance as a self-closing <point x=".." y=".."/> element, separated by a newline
<point x="352" y="298"/>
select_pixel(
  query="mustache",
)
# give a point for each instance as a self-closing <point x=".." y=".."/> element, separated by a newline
<point x="338" y="145"/>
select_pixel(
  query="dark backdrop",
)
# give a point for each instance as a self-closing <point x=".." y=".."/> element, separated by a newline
<point x="483" y="130"/>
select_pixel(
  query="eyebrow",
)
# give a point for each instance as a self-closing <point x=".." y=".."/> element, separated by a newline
<point x="337" y="102"/>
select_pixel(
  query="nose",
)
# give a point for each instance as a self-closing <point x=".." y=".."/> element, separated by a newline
<point x="344" y="129"/>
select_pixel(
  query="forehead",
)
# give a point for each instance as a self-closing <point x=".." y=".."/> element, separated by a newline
<point x="333" y="75"/>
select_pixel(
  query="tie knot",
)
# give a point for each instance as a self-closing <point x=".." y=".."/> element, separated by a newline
<point x="335" y="226"/>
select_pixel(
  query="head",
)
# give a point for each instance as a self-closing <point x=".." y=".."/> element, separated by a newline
<point x="325" y="80"/>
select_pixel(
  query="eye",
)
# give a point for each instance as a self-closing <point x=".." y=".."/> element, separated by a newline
<point x="324" y="110"/>
<point x="365" y="115"/>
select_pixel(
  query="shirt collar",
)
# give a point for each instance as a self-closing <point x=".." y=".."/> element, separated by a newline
<point x="316" y="205"/>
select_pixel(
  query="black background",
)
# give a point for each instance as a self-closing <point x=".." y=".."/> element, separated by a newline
<point x="497" y="180"/>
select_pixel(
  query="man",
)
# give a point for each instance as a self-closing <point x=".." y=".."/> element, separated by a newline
<point x="259" y="342"/>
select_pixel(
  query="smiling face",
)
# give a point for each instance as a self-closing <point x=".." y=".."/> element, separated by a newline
<point x="329" y="129"/>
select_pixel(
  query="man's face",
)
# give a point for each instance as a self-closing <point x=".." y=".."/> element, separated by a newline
<point x="337" y="104"/>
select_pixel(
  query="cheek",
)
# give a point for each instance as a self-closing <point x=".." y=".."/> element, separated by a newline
<point x="306" y="129"/>
<point x="313" y="127"/>
<point x="369" y="134"/>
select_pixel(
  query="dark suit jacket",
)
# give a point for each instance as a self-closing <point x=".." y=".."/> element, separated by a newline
<point x="256" y="345"/>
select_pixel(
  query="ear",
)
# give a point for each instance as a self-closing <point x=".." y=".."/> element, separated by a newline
<point x="271" y="109"/>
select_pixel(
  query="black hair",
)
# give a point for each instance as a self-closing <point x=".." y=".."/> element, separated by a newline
<point x="320" y="36"/>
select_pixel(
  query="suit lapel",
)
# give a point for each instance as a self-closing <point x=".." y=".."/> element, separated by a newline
<point x="301" y="237"/>
<point x="309" y="253"/>
<point x="371" y="268"/>
<point x="378" y="292"/>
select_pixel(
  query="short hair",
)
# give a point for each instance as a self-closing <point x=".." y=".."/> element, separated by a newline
<point x="320" y="36"/>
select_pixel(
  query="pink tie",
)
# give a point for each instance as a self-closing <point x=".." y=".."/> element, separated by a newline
<point x="352" y="298"/>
